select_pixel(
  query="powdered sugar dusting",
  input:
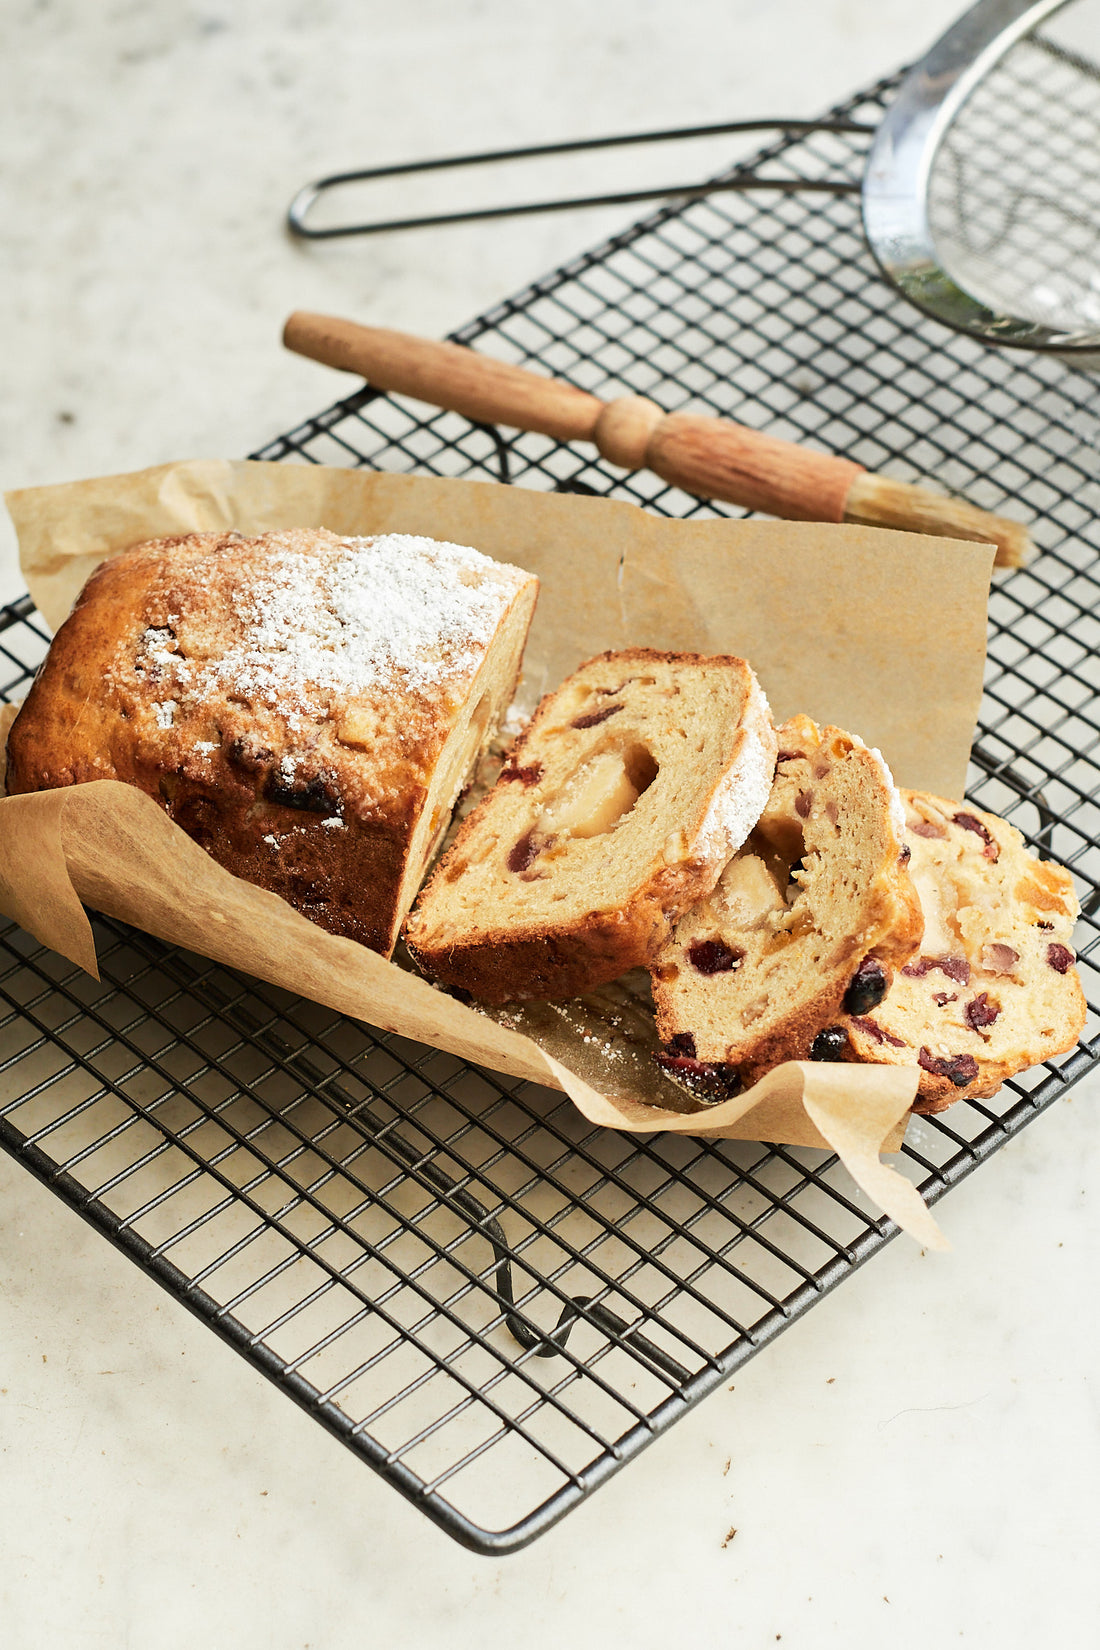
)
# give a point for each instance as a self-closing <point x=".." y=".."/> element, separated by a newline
<point x="396" y="611"/>
<point x="897" y="812"/>
<point x="742" y="793"/>
<point x="513" y="722"/>
<point x="160" y="661"/>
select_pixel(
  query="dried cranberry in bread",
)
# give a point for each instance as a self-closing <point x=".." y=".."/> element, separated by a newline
<point x="616" y="810"/>
<point x="994" y="988"/>
<point x="813" y="912"/>
<point x="305" y="706"/>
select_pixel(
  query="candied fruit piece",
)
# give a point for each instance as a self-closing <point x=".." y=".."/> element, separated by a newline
<point x="593" y="718"/>
<point x="871" y="1028"/>
<point x="959" y="1069"/>
<point x="707" y="1079"/>
<point x="524" y="852"/>
<point x="867" y="987"/>
<point x="982" y="1010"/>
<point x="970" y="822"/>
<point x="829" y="1044"/>
<point x="527" y="775"/>
<point x="713" y="956"/>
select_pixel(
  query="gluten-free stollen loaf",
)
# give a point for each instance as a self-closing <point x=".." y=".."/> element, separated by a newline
<point x="615" y="812"/>
<point x="305" y="706"/>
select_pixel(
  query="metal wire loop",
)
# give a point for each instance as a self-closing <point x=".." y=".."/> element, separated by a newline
<point x="741" y="179"/>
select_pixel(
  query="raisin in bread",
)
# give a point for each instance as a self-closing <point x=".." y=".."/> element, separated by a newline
<point x="813" y="912"/>
<point x="994" y="988"/>
<point x="615" y="812"/>
<point x="305" y="706"/>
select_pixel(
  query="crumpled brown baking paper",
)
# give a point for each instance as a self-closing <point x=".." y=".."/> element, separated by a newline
<point x="879" y="632"/>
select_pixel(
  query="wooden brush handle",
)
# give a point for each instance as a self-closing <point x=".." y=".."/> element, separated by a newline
<point x="447" y="375"/>
<point x="708" y="457"/>
<point x="715" y="458"/>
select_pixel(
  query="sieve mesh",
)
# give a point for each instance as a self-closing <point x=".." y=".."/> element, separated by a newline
<point x="1014" y="192"/>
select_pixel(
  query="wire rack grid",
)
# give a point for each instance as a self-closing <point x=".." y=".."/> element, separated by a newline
<point x="491" y="1302"/>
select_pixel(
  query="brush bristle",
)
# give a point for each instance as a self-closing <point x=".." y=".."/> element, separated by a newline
<point x="878" y="501"/>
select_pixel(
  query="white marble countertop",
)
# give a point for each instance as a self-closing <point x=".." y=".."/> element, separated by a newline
<point x="916" y="1462"/>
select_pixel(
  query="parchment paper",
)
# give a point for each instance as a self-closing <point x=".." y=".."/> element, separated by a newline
<point x="879" y="632"/>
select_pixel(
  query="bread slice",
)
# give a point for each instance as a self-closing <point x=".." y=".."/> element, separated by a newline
<point x="615" y="812"/>
<point x="813" y="912"/>
<point x="994" y="988"/>
<point x="305" y="706"/>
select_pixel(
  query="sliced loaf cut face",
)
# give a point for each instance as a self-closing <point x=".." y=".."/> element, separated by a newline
<point x="994" y="989"/>
<point x="615" y="812"/>
<point x="815" y="910"/>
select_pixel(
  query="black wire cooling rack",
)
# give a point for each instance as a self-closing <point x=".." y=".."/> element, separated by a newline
<point x="493" y="1303"/>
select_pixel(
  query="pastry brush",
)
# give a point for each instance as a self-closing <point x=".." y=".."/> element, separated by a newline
<point x="711" y="458"/>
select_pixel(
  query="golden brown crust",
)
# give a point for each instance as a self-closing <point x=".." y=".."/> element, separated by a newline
<point x="500" y="966"/>
<point x="312" y="792"/>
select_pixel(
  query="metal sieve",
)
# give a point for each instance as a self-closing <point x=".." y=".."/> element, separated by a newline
<point x="981" y="196"/>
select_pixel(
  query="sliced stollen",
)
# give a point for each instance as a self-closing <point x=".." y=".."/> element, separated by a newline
<point x="994" y="988"/>
<point x="615" y="812"/>
<point x="812" y="913"/>
<point x="305" y="706"/>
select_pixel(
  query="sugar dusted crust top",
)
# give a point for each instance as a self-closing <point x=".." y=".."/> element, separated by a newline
<point x="306" y="616"/>
<point x="298" y="642"/>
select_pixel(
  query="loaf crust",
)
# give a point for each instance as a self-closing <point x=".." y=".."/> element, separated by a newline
<point x="994" y="989"/>
<point x="615" y="812"/>
<point x="818" y="904"/>
<point x="304" y="706"/>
